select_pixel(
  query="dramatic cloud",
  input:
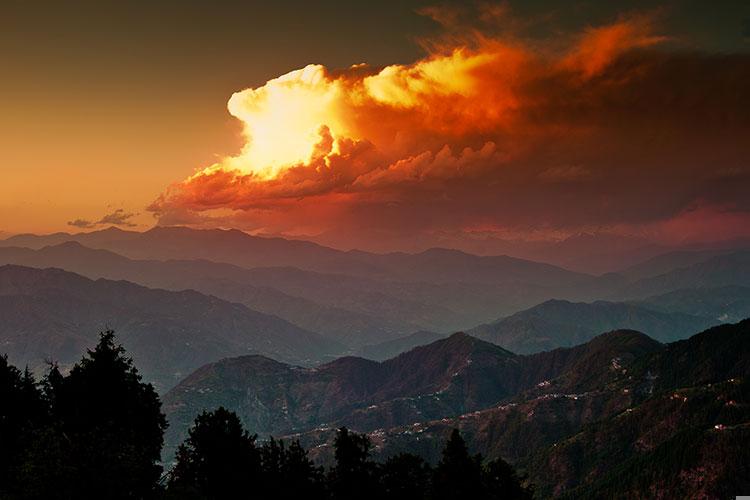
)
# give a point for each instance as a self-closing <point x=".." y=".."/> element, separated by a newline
<point x="117" y="218"/>
<point x="605" y="128"/>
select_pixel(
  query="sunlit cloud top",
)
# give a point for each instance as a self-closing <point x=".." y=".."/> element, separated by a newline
<point x="485" y="129"/>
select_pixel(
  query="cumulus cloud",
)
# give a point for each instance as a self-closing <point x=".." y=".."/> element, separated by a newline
<point x="603" y="127"/>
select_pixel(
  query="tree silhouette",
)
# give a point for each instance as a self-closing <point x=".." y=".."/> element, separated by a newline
<point x="405" y="476"/>
<point x="289" y="473"/>
<point x="109" y="423"/>
<point x="22" y="411"/>
<point x="502" y="481"/>
<point x="354" y="474"/>
<point x="218" y="459"/>
<point x="98" y="432"/>
<point x="457" y="475"/>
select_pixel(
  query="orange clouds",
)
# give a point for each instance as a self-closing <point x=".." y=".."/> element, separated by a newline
<point x="494" y="131"/>
<point x="598" y="47"/>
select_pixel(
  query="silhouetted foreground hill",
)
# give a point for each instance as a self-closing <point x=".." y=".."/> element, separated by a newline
<point x="621" y="415"/>
<point x="559" y="323"/>
<point x="53" y="314"/>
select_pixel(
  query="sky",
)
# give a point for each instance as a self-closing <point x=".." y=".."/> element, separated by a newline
<point x="378" y="125"/>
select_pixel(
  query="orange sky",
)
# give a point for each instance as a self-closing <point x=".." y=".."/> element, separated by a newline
<point x="621" y="125"/>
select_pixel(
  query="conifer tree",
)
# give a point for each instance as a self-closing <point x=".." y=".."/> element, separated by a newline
<point x="354" y="473"/>
<point x="218" y="459"/>
<point x="458" y="474"/>
<point x="108" y="423"/>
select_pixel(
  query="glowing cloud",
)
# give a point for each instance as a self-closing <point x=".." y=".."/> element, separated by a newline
<point x="485" y="129"/>
<point x="282" y="120"/>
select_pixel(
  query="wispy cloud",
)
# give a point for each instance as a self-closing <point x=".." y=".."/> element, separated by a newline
<point x="117" y="218"/>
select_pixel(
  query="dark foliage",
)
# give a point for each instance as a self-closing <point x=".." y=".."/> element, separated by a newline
<point x="354" y="475"/>
<point x="22" y="411"/>
<point x="95" y="433"/>
<point x="98" y="431"/>
<point x="289" y="473"/>
<point x="219" y="457"/>
<point x="458" y="475"/>
<point x="405" y="476"/>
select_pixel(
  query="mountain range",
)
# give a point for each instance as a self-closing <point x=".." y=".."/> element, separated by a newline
<point x="50" y="314"/>
<point x="241" y="249"/>
<point x="300" y="339"/>
<point x="381" y="298"/>
<point x="622" y="416"/>
<point x="671" y="421"/>
<point x="446" y="378"/>
<point x="559" y="323"/>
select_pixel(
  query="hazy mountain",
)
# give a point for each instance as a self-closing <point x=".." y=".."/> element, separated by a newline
<point x="355" y="310"/>
<point x="228" y="282"/>
<point x="53" y="314"/>
<point x="670" y="261"/>
<point x="559" y="323"/>
<point x="446" y="378"/>
<point x="242" y="249"/>
<point x="392" y="348"/>
<point x="722" y="270"/>
<point x="182" y="243"/>
<point x="725" y="304"/>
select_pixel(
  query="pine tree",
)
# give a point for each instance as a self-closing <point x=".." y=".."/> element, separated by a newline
<point x="458" y="475"/>
<point x="289" y="473"/>
<point x="22" y="412"/>
<point x="502" y="482"/>
<point x="354" y="474"/>
<point x="218" y="459"/>
<point x="108" y="425"/>
<point x="405" y="477"/>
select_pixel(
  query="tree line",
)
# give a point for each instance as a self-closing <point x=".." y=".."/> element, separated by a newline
<point x="98" y="431"/>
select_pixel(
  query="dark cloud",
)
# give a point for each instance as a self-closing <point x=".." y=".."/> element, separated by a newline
<point x="81" y="223"/>
<point x="117" y="218"/>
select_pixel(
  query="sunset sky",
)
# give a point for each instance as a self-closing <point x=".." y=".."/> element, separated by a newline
<point x="378" y="125"/>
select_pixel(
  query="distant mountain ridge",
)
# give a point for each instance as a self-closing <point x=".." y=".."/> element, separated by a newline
<point x="560" y="323"/>
<point x="722" y="270"/>
<point x="374" y="301"/>
<point x="54" y="314"/>
<point x="670" y="261"/>
<point x="355" y="310"/>
<point x="239" y="248"/>
<point x="726" y="304"/>
<point x="225" y="281"/>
